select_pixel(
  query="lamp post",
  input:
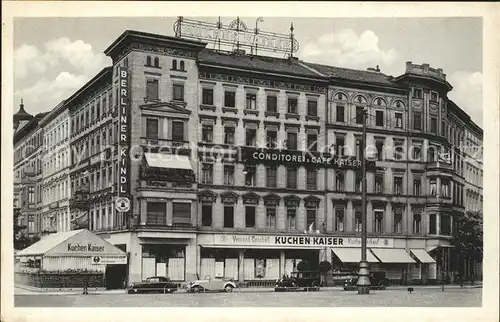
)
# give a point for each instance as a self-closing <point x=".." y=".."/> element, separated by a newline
<point x="364" y="268"/>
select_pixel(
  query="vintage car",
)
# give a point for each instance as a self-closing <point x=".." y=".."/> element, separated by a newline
<point x="377" y="282"/>
<point x="154" y="284"/>
<point x="303" y="280"/>
<point x="217" y="284"/>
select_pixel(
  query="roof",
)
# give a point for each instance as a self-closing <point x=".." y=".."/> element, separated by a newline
<point x="22" y="114"/>
<point x="352" y="74"/>
<point x="48" y="242"/>
<point x="102" y="77"/>
<point x="255" y="63"/>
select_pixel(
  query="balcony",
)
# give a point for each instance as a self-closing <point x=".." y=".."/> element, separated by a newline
<point x="165" y="143"/>
<point x="54" y="205"/>
<point x="167" y="178"/>
<point x="437" y="168"/>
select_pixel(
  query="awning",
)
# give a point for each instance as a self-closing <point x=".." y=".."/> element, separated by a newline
<point x="352" y="255"/>
<point x="168" y="161"/>
<point x="392" y="255"/>
<point x="431" y="248"/>
<point x="422" y="256"/>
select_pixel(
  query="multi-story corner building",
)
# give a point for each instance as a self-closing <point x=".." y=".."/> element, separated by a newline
<point x="241" y="165"/>
<point x="55" y="170"/>
<point x="28" y="150"/>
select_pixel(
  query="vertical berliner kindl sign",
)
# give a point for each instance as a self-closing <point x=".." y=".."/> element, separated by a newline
<point x="124" y="133"/>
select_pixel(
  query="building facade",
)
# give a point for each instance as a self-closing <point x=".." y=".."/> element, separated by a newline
<point x="241" y="165"/>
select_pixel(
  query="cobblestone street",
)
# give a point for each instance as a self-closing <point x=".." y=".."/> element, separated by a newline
<point x="423" y="297"/>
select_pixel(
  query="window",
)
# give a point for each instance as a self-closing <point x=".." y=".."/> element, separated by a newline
<point x="339" y="145"/>
<point x="357" y="220"/>
<point x="339" y="181"/>
<point x="359" y="149"/>
<point x="152" y="89"/>
<point x="250" y="137"/>
<point x="432" y="186"/>
<point x="312" y="108"/>
<point x="339" y="219"/>
<point x="379" y="118"/>
<point x="228" y="175"/>
<point x="249" y="217"/>
<point x="417" y="186"/>
<point x="292" y="106"/>
<point x="443" y="128"/>
<point x="207" y="133"/>
<point x="157" y="62"/>
<point x="359" y="114"/>
<point x="340" y="113"/>
<point x="432" y="224"/>
<point x="445" y="188"/>
<point x="174" y="64"/>
<point x="148" y="61"/>
<point x="312" y="142"/>
<point x="178" y="90"/>
<point x="271" y="177"/>
<point x="312" y="177"/>
<point x="208" y="96"/>
<point x="399" y="120"/>
<point x="181" y="213"/>
<point x="379" y="145"/>
<point x="271" y="218"/>
<point x="398" y="150"/>
<point x="398" y="185"/>
<point x="182" y="66"/>
<point x="417" y="93"/>
<point x="311" y="219"/>
<point x="379" y="183"/>
<point x="291" y="178"/>
<point x="417" y="121"/>
<point x="228" y="135"/>
<point x="272" y="104"/>
<point x="291" y="218"/>
<point x="417" y="223"/>
<point x="228" y="216"/>
<point x="379" y="220"/>
<point x="358" y="181"/>
<point x="229" y="99"/>
<point x="434" y="96"/>
<point x="157" y="213"/>
<point x="251" y="102"/>
<point x="151" y="128"/>
<point x="271" y="139"/>
<point x="291" y="140"/>
<point x="417" y="152"/>
<point x="31" y="195"/>
<point x="250" y="176"/>
<point x="207" y="173"/>
<point x="177" y="131"/>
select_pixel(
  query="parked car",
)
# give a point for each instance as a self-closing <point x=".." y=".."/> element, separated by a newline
<point x="154" y="284"/>
<point x="303" y="280"/>
<point x="217" y="284"/>
<point x="377" y="282"/>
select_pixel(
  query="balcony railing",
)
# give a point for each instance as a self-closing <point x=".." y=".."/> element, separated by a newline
<point x="165" y="143"/>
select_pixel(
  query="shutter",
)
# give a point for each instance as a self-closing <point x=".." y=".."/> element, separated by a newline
<point x="181" y="213"/>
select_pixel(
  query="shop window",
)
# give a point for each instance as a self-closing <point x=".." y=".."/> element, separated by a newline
<point x="206" y="215"/>
<point x="229" y="135"/>
<point x="249" y="217"/>
<point x="398" y="220"/>
<point x="152" y="89"/>
<point x="272" y="104"/>
<point x="271" y="139"/>
<point x="359" y="114"/>
<point x="340" y="111"/>
<point x="208" y="96"/>
<point x="312" y="178"/>
<point x="151" y="128"/>
<point x="291" y="178"/>
<point x="339" y="219"/>
<point x="398" y="185"/>
<point x="339" y="181"/>
<point x="271" y="218"/>
<point x="339" y="145"/>
<point x="178" y="92"/>
<point x="291" y="218"/>
<point x="157" y="213"/>
<point x="251" y="102"/>
<point x="250" y="137"/>
<point x="432" y="224"/>
<point x="291" y="140"/>
<point x="207" y="133"/>
<point x="312" y="142"/>
<point x="207" y="173"/>
<point x="229" y="99"/>
<point x="432" y="186"/>
<point x="417" y="186"/>
<point x="271" y="177"/>
<point x="312" y="108"/>
<point x="178" y="131"/>
<point x="311" y="219"/>
<point x="228" y="175"/>
<point x="358" y="182"/>
<point x="417" y="93"/>
<point x="357" y="220"/>
<point x="379" y="183"/>
<point x="250" y="176"/>
<point x="228" y="216"/>
<point x="379" y="118"/>
<point x="379" y="221"/>
<point x="292" y="106"/>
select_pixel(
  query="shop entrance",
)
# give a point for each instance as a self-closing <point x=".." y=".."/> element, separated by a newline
<point x="294" y="257"/>
<point x="115" y="276"/>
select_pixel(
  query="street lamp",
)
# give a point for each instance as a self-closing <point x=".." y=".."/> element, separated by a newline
<point x="364" y="268"/>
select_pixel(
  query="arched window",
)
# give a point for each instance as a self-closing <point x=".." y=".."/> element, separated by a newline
<point x="148" y="61"/>
<point x="157" y="62"/>
<point x="182" y="65"/>
<point x="174" y="64"/>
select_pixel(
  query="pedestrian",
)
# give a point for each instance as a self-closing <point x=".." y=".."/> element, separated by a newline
<point x="85" y="285"/>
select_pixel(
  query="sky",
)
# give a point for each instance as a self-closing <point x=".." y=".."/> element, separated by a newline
<point x="54" y="57"/>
